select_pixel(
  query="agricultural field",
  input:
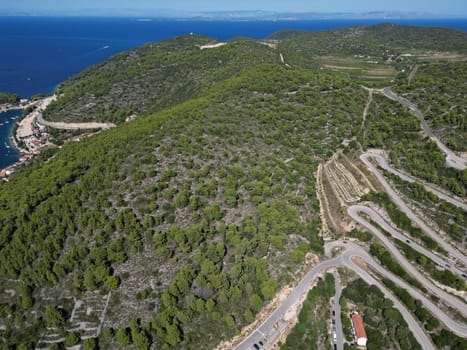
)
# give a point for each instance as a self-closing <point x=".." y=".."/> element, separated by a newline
<point x="368" y="71"/>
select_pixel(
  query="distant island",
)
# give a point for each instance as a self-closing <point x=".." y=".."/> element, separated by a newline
<point x="258" y="15"/>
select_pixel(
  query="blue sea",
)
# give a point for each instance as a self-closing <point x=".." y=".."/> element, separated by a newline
<point x="8" y="154"/>
<point x="37" y="53"/>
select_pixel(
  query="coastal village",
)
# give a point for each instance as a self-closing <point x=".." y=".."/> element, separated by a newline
<point x="30" y="136"/>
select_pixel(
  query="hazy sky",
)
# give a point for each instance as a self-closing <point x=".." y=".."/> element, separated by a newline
<point x="451" y="7"/>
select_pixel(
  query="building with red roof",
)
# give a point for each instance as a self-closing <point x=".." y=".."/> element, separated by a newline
<point x="360" y="334"/>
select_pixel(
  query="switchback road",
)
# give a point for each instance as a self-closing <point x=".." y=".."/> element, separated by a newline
<point x="355" y="211"/>
<point x="271" y="327"/>
<point x="441" y="294"/>
<point x="405" y="209"/>
<point x="381" y="158"/>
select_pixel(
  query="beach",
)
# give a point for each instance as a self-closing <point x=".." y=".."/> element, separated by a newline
<point x="26" y="126"/>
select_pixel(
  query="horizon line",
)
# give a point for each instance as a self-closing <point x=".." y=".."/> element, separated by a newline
<point x="229" y="14"/>
<point x="324" y="16"/>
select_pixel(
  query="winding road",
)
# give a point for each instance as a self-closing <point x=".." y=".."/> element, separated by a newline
<point x="267" y="332"/>
<point x="271" y="328"/>
<point x="354" y="212"/>
<point x="455" y="302"/>
<point x="456" y="327"/>
<point x="452" y="159"/>
<point x="414" y="218"/>
<point x="355" y="251"/>
<point x="381" y="158"/>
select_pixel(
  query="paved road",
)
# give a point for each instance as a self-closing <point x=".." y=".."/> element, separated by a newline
<point x="414" y="218"/>
<point x="456" y="327"/>
<point x="452" y="159"/>
<point x="270" y="329"/>
<point x="336" y="307"/>
<point x="267" y="333"/>
<point x="354" y="211"/>
<point x="446" y="297"/>
<point x="381" y="157"/>
<point x="423" y="339"/>
<point x="71" y="126"/>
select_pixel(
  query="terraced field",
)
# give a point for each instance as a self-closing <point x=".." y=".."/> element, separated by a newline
<point x="340" y="184"/>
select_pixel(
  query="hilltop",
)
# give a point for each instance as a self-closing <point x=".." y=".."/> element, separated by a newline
<point x="153" y="77"/>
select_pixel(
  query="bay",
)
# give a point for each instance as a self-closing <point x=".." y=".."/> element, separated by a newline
<point x="8" y="154"/>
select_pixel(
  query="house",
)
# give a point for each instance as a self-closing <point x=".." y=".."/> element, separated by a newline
<point x="360" y="334"/>
<point x="25" y="157"/>
<point x="35" y="143"/>
<point x="9" y="171"/>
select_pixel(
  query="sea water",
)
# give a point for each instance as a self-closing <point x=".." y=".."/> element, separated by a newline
<point x="8" y="154"/>
<point x="37" y="53"/>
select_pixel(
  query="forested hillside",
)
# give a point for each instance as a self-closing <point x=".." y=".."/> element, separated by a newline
<point x="382" y="40"/>
<point x="391" y="126"/>
<point x="439" y="88"/>
<point x="9" y="98"/>
<point x="175" y="214"/>
<point x="153" y="77"/>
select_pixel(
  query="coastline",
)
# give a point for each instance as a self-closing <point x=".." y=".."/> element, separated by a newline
<point x="31" y="131"/>
<point x="12" y="132"/>
<point x="14" y="143"/>
<point x="11" y="152"/>
<point x="8" y="107"/>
